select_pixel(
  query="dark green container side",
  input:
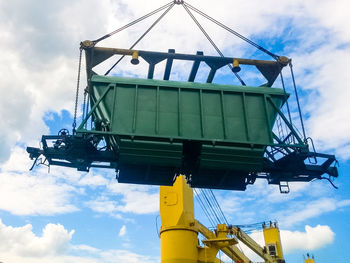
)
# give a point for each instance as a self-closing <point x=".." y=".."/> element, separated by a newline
<point x="148" y="120"/>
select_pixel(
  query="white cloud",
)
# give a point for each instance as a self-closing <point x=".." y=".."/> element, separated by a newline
<point x="303" y="210"/>
<point x="39" y="63"/>
<point x="122" y="231"/>
<point x="103" y="205"/>
<point x="126" y="198"/>
<point x="85" y="248"/>
<point x="136" y="199"/>
<point x="327" y="103"/>
<point x="93" y="180"/>
<point x="139" y="203"/>
<point x="32" y="193"/>
<point x="41" y="193"/>
<point x="21" y="244"/>
<point x="116" y="256"/>
<point x="311" y="239"/>
<point x="263" y="202"/>
<point x="335" y="22"/>
<point x="23" y="194"/>
<point x="18" y="162"/>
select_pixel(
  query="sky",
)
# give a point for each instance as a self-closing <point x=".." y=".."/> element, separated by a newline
<point x="62" y="215"/>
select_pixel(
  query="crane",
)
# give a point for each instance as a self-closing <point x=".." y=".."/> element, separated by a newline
<point x="187" y="134"/>
<point x="179" y="232"/>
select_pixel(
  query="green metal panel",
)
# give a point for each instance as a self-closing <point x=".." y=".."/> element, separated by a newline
<point x="148" y="121"/>
<point x="186" y="111"/>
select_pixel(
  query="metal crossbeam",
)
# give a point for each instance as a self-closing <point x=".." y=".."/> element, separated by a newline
<point x="96" y="55"/>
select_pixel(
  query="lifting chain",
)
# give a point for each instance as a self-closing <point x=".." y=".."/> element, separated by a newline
<point x="74" y="125"/>
<point x="85" y="103"/>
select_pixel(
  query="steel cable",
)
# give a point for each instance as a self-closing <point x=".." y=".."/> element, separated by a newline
<point x="212" y="42"/>
<point x="133" y="22"/>
<point x="210" y="205"/>
<point x="297" y="98"/>
<point x="140" y="38"/>
<point x="204" y="208"/>
<point x="216" y="211"/>
<point x="232" y="31"/>
<point x="219" y="208"/>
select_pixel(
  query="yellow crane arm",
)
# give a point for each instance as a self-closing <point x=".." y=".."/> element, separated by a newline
<point x="249" y="242"/>
<point x="232" y="251"/>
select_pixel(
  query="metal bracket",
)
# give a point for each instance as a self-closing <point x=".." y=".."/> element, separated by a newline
<point x="284" y="187"/>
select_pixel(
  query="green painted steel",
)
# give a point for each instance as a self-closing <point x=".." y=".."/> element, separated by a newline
<point x="148" y="121"/>
<point x="186" y="111"/>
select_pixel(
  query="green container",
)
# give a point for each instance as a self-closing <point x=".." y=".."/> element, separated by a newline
<point x="147" y="121"/>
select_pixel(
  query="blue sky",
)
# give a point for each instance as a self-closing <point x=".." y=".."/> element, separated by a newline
<point x="68" y="216"/>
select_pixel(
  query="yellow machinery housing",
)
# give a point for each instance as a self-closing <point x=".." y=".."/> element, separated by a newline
<point x="179" y="231"/>
<point x="178" y="235"/>
<point x="273" y="240"/>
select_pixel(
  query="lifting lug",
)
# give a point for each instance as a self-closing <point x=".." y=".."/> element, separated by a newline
<point x="178" y="2"/>
<point x="87" y="44"/>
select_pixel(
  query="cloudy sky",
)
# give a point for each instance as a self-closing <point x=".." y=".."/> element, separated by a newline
<point x="67" y="216"/>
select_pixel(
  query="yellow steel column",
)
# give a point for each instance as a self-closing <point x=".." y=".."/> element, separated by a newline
<point x="273" y="241"/>
<point x="178" y="235"/>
